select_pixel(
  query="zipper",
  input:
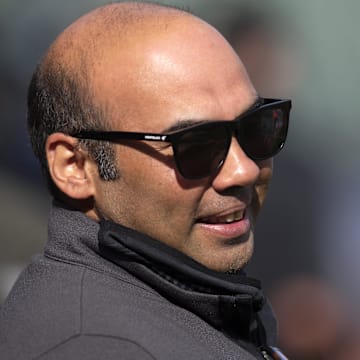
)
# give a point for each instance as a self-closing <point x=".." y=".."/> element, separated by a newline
<point x="272" y="353"/>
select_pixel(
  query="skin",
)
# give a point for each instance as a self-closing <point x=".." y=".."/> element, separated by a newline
<point x="159" y="78"/>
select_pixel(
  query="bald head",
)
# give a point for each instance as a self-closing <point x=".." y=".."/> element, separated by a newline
<point x="101" y="68"/>
<point x="106" y="30"/>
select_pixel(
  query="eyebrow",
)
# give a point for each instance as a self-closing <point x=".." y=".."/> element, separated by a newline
<point x="183" y="124"/>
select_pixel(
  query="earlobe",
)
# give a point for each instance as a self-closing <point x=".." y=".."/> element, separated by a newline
<point x="69" y="167"/>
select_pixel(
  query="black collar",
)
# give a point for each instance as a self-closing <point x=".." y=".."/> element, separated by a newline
<point x="231" y="303"/>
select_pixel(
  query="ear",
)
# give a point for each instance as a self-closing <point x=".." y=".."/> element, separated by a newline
<point x="70" y="168"/>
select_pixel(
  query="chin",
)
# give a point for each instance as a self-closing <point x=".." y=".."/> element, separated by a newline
<point x="239" y="257"/>
<point x="225" y="256"/>
<point x="231" y="264"/>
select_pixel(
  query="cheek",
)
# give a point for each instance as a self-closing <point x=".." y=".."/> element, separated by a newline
<point x="153" y="189"/>
<point x="160" y="208"/>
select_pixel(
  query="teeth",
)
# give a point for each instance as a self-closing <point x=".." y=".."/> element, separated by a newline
<point x="238" y="215"/>
<point x="230" y="218"/>
<point x="227" y="219"/>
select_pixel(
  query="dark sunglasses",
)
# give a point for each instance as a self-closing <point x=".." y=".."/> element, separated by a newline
<point x="201" y="149"/>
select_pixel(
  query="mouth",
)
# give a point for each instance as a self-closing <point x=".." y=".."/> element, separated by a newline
<point x="224" y="219"/>
<point x="229" y="226"/>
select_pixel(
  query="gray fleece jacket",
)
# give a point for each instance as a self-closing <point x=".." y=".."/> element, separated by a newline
<point x="102" y="291"/>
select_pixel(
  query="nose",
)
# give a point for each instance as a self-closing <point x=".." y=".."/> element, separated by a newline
<point x="237" y="170"/>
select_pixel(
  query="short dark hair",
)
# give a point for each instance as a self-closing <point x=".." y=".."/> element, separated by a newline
<point x="60" y="102"/>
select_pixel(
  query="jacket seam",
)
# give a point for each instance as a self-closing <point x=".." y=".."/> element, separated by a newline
<point x="93" y="335"/>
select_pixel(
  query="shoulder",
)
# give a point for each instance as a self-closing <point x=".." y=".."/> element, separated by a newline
<point x="59" y="311"/>
<point x="56" y="307"/>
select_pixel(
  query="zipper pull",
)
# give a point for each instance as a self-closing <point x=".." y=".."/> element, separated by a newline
<point x="272" y="353"/>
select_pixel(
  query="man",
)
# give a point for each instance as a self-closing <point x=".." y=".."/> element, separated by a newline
<point x="158" y="152"/>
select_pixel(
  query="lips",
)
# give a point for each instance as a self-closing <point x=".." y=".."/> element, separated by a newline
<point x="227" y="225"/>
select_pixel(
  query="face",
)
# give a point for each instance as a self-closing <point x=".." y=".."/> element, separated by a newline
<point x="211" y="219"/>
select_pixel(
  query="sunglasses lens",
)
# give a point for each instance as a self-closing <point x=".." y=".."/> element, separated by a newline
<point x="199" y="152"/>
<point x="263" y="133"/>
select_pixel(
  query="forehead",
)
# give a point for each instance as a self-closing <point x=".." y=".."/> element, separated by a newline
<point x="164" y="78"/>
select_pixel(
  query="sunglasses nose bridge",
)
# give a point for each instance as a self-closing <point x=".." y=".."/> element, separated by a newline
<point x="233" y="132"/>
<point x="237" y="169"/>
<point x="230" y="133"/>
